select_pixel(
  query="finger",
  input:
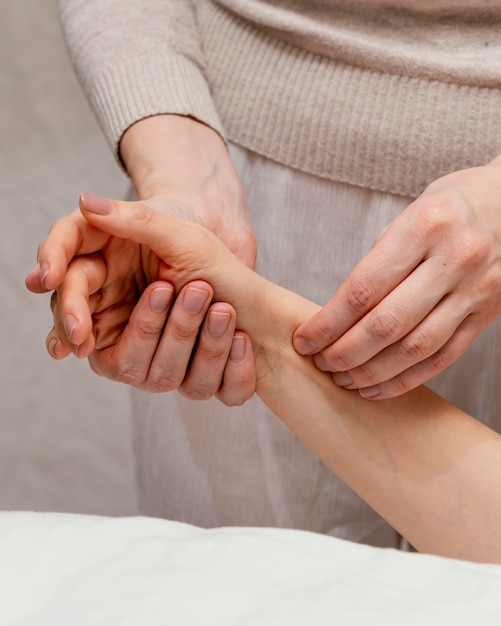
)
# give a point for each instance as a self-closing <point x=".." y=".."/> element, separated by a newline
<point x="129" y="360"/>
<point x="427" y="368"/>
<point x="72" y="305"/>
<point x="136" y="221"/>
<point x="33" y="281"/>
<point x="55" y="347"/>
<point x="68" y="237"/>
<point x="205" y="373"/>
<point x="422" y="342"/>
<point x="60" y="329"/>
<point x="392" y="258"/>
<point x="153" y="354"/>
<point x="391" y="320"/>
<point x="176" y="241"/>
<point x="188" y="250"/>
<point x="239" y="380"/>
<point x="172" y="357"/>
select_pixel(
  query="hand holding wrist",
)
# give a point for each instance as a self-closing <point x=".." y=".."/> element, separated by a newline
<point x="182" y="167"/>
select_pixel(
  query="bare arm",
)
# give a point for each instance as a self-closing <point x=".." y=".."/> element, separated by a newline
<point x="428" y="468"/>
<point x="424" y="465"/>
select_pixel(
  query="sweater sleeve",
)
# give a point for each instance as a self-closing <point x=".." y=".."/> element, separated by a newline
<point x="135" y="59"/>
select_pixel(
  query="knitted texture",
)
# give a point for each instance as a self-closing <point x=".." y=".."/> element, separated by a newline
<point x="366" y="92"/>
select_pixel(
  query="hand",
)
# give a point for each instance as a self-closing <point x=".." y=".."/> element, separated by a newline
<point x="179" y="167"/>
<point x="429" y="285"/>
<point x="337" y="425"/>
<point x="154" y="349"/>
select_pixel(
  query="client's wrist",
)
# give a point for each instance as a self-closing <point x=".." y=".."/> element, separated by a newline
<point x="276" y="313"/>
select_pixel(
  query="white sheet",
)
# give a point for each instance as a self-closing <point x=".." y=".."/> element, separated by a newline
<point x="63" y="569"/>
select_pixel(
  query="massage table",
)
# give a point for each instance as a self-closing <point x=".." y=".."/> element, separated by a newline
<point x="75" y="570"/>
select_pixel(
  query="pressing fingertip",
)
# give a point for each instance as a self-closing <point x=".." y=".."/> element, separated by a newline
<point x="321" y="363"/>
<point x="304" y="346"/>
<point x="342" y="379"/>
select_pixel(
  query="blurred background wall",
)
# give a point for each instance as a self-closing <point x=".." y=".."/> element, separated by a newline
<point x="64" y="433"/>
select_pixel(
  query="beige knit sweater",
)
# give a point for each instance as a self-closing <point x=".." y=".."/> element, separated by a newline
<point x="386" y="94"/>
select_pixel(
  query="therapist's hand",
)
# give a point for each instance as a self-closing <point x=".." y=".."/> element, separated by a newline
<point x="179" y="167"/>
<point x="111" y="308"/>
<point x="430" y="284"/>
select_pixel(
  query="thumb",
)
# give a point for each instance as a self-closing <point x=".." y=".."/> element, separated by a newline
<point x="178" y="242"/>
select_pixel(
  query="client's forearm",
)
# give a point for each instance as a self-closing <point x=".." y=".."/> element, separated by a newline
<point x="429" y="469"/>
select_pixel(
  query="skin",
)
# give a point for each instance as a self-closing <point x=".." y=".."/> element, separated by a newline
<point x="180" y="167"/>
<point x="430" y="284"/>
<point x="186" y="343"/>
<point x="428" y="287"/>
<point x="424" y="465"/>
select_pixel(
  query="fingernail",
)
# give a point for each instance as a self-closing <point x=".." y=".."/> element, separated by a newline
<point x="342" y="379"/>
<point x="218" y="323"/>
<point x="44" y="270"/>
<point x="160" y="299"/>
<point x="304" y="346"/>
<point x="237" y="352"/>
<point x="70" y="323"/>
<point x="95" y="204"/>
<point x="194" y="300"/>
<point x="370" y="392"/>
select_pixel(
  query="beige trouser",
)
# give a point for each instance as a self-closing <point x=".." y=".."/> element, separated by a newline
<point x="208" y="465"/>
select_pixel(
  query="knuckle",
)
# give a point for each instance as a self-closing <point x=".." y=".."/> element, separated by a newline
<point x="142" y="213"/>
<point x="211" y="354"/>
<point x="182" y="333"/>
<point x="129" y="375"/>
<point x="367" y="374"/>
<point x="324" y="329"/>
<point x="439" y="360"/>
<point x="429" y="220"/>
<point x="416" y="345"/>
<point x="147" y="331"/>
<point x="197" y="390"/>
<point x="438" y="213"/>
<point x="160" y="379"/>
<point x="360" y="294"/>
<point x="337" y="359"/>
<point x="474" y="248"/>
<point x="385" y="326"/>
<point x="400" y="385"/>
